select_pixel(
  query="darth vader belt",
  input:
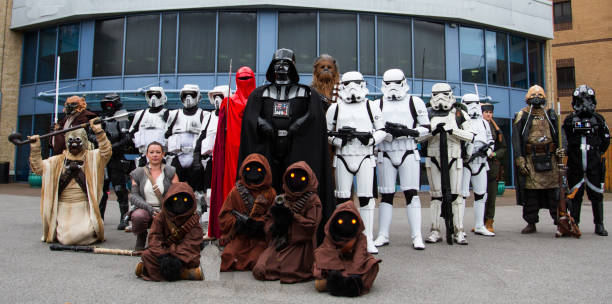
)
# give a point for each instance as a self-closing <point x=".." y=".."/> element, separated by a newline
<point x="282" y="133"/>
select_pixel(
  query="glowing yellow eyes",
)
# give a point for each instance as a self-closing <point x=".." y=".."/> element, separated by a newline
<point x="303" y="178"/>
<point x="248" y="168"/>
<point x="354" y="221"/>
<point x="258" y="169"/>
<point x="175" y="198"/>
<point x="340" y="221"/>
<point x="185" y="200"/>
<point x="292" y="175"/>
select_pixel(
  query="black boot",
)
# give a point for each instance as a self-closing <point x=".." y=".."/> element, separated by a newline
<point x="123" y="221"/>
<point x="530" y="228"/>
<point x="141" y="240"/>
<point x="598" y="218"/>
<point x="102" y="205"/>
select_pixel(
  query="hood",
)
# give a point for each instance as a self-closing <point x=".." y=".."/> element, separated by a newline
<point x="180" y="188"/>
<point x="245" y="87"/>
<point x="313" y="182"/>
<point x="256" y="157"/>
<point x="346" y="206"/>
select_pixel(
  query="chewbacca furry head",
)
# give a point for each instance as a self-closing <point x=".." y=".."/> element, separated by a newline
<point x="74" y="104"/>
<point x="325" y="75"/>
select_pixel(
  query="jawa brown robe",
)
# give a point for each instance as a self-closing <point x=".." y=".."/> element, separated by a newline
<point x="75" y="214"/>
<point x="187" y="250"/>
<point x="241" y="251"/>
<point x="329" y="257"/>
<point x="293" y="263"/>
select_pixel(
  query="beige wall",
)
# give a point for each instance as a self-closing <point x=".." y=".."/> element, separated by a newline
<point x="10" y="63"/>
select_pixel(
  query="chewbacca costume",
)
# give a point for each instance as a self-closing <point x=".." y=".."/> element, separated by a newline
<point x="339" y="255"/>
<point x="241" y="251"/>
<point x="293" y="263"/>
<point x="181" y="241"/>
<point x="79" y="116"/>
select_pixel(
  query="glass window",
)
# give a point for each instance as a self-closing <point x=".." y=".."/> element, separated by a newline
<point x="168" y="45"/>
<point x="28" y="65"/>
<point x="535" y="63"/>
<point x="394" y="45"/>
<point x="472" y="55"/>
<point x="197" y="42"/>
<point x="497" y="62"/>
<point x="46" y="55"/>
<point x="343" y="47"/>
<point x="237" y="40"/>
<point x="562" y="12"/>
<point x="108" y="47"/>
<point x="298" y="32"/>
<point x="366" y="45"/>
<point x="68" y="50"/>
<point x="429" y="42"/>
<point x="142" y="44"/>
<point x="566" y="81"/>
<point x="518" y="68"/>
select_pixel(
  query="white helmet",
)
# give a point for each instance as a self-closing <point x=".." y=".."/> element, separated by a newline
<point x="394" y="86"/>
<point x="217" y="94"/>
<point x="442" y="97"/>
<point x="352" y="87"/>
<point x="472" y="102"/>
<point x="156" y="97"/>
<point x="190" y="95"/>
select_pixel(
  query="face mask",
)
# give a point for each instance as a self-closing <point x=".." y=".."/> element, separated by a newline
<point x="70" y="108"/>
<point x="75" y="145"/>
<point x="218" y="100"/>
<point x="345" y="225"/>
<point x="536" y="102"/>
<point x="254" y="173"/>
<point x="179" y="203"/>
<point x="297" y="180"/>
<point x="281" y="72"/>
<point x="394" y="90"/>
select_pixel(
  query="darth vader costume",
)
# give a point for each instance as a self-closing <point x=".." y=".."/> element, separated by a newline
<point x="284" y="122"/>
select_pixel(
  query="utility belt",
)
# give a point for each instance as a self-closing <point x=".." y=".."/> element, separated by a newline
<point x="281" y="144"/>
<point x="540" y="148"/>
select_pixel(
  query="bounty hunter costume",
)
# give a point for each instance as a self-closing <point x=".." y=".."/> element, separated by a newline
<point x="76" y="111"/>
<point x="149" y="125"/>
<point x="355" y="126"/>
<point x="444" y="164"/>
<point x="588" y="139"/>
<point x="284" y="121"/>
<point x="535" y="142"/>
<point x="475" y="170"/>
<point x="117" y="132"/>
<point x="405" y="119"/>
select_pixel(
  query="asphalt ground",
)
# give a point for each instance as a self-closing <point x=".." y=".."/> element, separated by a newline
<point x="507" y="268"/>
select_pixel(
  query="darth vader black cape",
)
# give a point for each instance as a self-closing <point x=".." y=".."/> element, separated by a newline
<point x="309" y="145"/>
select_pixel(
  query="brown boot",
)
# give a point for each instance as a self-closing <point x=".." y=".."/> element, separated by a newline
<point x="192" y="274"/>
<point x="139" y="269"/>
<point x="530" y="228"/>
<point x="489" y="225"/>
<point x="141" y="240"/>
<point x="321" y="285"/>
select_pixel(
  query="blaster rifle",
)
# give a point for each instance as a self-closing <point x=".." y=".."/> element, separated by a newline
<point x="398" y="130"/>
<point x="482" y="151"/>
<point x="347" y="133"/>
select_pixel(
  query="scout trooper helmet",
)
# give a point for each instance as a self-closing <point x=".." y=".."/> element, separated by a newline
<point x="472" y="102"/>
<point x="190" y="95"/>
<point x="394" y="86"/>
<point x="442" y="97"/>
<point x="217" y="94"/>
<point x="352" y="87"/>
<point x="156" y="97"/>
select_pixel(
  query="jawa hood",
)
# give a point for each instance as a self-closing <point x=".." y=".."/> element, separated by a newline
<point x="313" y="182"/>
<point x="346" y="206"/>
<point x="267" y="181"/>
<point x="177" y="188"/>
<point x="245" y="86"/>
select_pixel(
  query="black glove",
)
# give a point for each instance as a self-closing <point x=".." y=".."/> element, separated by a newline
<point x="282" y="217"/>
<point x="411" y="132"/>
<point x="439" y="128"/>
<point x="170" y="267"/>
<point x="254" y="228"/>
<point x="298" y="123"/>
<point x="342" y="286"/>
<point x="365" y="139"/>
<point x="265" y="127"/>
<point x="395" y="132"/>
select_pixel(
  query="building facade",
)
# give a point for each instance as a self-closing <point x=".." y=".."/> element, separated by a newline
<point x="494" y="47"/>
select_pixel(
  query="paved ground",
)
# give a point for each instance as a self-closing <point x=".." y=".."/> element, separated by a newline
<point x="508" y="268"/>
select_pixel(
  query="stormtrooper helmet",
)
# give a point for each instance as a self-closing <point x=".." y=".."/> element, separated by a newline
<point x="394" y="86"/>
<point x="442" y="97"/>
<point x="190" y="95"/>
<point x="472" y="102"/>
<point x="352" y="87"/>
<point x="583" y="100"/>
<point x="217" y="94"/>
<point x="156" y="97"/>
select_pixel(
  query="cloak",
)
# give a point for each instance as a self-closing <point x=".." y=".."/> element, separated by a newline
<point x="94" y="162"/>
<point x="241" y="251"/>
<point x="58" y="141"/>
<point x="329" y="255"/>
<point x="293" y="263"/>
<point x="227" y="144"/>
<point x="187" y="250"/>
<point x="309" y="145"/>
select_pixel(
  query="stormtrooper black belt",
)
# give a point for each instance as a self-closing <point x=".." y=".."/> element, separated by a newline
<point x="408" y="152"/>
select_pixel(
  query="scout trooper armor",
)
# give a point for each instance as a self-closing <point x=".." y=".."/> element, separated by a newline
<point x="406" y="118"/>
<point x="446" y="122"/>
<point x="476" y="169"/>
<point x="149" y="125"/>
<point x="355" y="126"/>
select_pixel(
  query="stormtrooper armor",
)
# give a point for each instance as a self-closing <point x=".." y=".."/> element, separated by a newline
<point x="444" y="118"/>
<point x="149" y="125"/>
<point x="355" y="126"/>
<point x="398" y="154"/>
<point x="476" y="170"/>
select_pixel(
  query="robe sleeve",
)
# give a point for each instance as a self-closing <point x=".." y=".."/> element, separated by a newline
<point x="305" y="225"/>
<point x="226" y="219"/>
<point x="36" y="162"/>
<point x="188" y="250"/>
<point x="156" y="237"/>
<point x="105" y="148"/>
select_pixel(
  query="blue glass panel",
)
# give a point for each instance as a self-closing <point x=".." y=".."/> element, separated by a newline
<point x="518" y="68"/>
<point x="28" y="64"/>
<point x="472" y="55"/>
<point x="46" y="55"/>
<point x="68" y="50"/>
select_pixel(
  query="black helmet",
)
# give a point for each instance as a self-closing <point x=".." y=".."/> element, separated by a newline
<point x="283" y="55"/>
<point x="583" y="99"/>
<point x="111" y="103"/>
